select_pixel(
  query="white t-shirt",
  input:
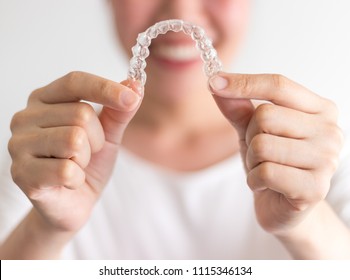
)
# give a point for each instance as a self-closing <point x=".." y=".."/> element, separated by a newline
<point x="148" y="212"/>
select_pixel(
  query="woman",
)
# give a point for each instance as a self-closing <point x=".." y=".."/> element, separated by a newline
<point x="180" y="188"/>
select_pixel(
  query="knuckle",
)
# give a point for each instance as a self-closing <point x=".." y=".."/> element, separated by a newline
<point x="12" y="146"/>
<point x="75" y="139"/>
<point x="279" y="81"/>
<point x="106" y="87"/>
<point x="66" y="172"/>
<point x="328" y="161"/>
<point x="333" y="139"/>
<point x="72" y="78"/>
<point x="250" y="180"/>
<point x="20" y="175"/>
<point x="263" y="115"/>
<point x="34" y="95"/>
<point x="337" y="135"/>
<point x="331" y="108"/>
<point x="242" y="83"/>
<point x="330" y="140"/>
<point x="332" y="163"/>
<point x="266" y="173"/>
<point x="16" y="173"/>
<point x="17" y="120"/>
<point x="83" y="114"/>
<point x="259" y="147"/>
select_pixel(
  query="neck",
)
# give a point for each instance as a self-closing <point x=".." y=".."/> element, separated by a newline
<point x="185" y="133"/>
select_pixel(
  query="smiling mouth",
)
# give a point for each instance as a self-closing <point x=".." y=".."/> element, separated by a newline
<point x="175" y="53"/>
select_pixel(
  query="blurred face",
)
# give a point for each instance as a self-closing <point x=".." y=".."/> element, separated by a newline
<point x="174" y="67"/>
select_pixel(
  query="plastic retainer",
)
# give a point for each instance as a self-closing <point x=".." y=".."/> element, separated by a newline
<point x="140" y="51"/>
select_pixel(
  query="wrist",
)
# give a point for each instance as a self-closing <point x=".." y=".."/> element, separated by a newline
<point x="41" y="231"/>
<point x="321" y="235"/>
<point x="33" y="238"/>
<point x="300" y="242"/>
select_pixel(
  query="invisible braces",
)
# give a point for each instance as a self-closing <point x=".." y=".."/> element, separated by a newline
<point x="140" y="51"/>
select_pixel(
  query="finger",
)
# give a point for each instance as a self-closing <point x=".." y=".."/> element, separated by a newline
<point x="66" y="142"/>
<point x="114" y="122"/>
<point x="238" y="112"/>
<point x="78" y="86"/>
<point x="286" y="151"/>
<point x="281" y="121"/>
<point x="297" y="185"/>
<point x="40" y="173"/>
<point x="274" y="88"/>
<point x="78" y="114"/>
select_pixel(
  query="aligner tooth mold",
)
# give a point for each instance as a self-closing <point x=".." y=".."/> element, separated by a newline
<point x="140" y="51"/>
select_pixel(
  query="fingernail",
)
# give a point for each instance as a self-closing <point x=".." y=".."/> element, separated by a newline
<point x="129" y="99"/>
<point x="218" y="83"/>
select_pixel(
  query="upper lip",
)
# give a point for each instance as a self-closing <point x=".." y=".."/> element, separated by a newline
<point x="172" y="38"/>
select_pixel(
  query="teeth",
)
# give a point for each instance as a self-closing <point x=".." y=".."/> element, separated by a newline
<point x="179" y="53"/>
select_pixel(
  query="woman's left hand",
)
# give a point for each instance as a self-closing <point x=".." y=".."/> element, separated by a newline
<point x="290" y="146"/>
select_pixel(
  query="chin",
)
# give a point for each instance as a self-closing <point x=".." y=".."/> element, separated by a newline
<point x="175" y="80"/>
<point x="170" y="86"/>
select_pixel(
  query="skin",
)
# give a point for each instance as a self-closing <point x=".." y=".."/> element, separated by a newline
<point x="63" y="152"/>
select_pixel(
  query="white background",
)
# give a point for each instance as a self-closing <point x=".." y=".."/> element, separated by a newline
<point x="89" y="270"/>
<point x="41" y="40"/>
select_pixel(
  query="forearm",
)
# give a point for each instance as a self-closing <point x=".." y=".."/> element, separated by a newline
<point x="33" y="239"/>
<point x="322" y="235"/>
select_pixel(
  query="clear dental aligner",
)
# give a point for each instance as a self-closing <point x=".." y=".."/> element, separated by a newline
<point x="140" y="51"/>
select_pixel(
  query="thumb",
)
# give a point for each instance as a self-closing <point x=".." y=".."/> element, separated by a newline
<point x="115" y="121"/>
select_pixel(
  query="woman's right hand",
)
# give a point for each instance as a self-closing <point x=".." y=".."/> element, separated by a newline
<point x="63" y="153"/>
